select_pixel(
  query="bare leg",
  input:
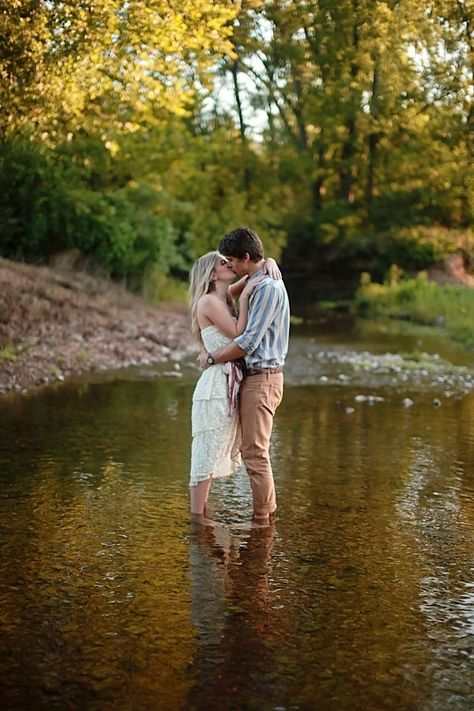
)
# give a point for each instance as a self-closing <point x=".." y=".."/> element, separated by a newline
<point x="199" y="494"/>
<point x="207" y="510"/>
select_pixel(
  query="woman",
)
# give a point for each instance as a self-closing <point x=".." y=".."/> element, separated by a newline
<point x="215" y="418"/>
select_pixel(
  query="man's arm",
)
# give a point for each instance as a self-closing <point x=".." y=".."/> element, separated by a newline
<point x="264" y="302"/>
<point x="229" y="352"/>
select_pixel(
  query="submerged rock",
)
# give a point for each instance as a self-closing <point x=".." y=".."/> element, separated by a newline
<point x="369" y="398"/>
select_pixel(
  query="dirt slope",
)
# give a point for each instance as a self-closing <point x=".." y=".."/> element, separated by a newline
<point x="54" y="324"/>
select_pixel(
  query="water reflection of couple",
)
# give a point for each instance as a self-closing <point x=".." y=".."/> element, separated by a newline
<point x="236" y="628"/>
<point x="245" y="352"/>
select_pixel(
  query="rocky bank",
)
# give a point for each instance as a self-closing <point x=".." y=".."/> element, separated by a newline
<point x="54" y="324"/>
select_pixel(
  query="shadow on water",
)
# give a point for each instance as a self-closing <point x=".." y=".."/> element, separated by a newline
<point x="360" y="597"/>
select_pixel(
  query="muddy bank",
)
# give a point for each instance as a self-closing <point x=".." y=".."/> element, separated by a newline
<point x="55" y="324"/>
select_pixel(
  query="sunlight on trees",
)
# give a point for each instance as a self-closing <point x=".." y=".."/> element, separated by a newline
<point x="114" y="138"/>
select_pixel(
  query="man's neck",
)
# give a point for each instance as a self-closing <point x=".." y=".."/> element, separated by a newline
<point x="254" y="267"/>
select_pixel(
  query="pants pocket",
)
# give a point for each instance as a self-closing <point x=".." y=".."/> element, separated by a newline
<point x="272" y="398"/>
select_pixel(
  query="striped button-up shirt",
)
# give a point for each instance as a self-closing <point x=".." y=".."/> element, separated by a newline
<point x="265" y="339"/>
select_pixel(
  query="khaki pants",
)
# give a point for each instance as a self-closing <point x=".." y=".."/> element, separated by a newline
<point x="260" y="396"/>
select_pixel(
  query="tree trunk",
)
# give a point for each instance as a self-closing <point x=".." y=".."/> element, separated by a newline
<point x="347" y="173"/>
<point x="238" y="102"/>
<point x="373" y="141"/>
<point x="246" y="177"/>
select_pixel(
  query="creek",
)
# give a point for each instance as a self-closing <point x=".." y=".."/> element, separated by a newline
<point x="360" y="597"/>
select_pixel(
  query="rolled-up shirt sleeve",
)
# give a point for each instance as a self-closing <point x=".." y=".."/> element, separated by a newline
<point x="263" y="304"/>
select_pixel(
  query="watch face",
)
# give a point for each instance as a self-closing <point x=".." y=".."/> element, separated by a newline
<point x="210" y="359"/>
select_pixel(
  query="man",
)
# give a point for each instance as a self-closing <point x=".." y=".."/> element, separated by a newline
<point x="264" y="344"/>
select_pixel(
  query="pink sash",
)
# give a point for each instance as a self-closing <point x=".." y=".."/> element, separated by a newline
<point x="234" y="371"/>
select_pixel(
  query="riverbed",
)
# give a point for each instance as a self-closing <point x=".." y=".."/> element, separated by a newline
<point x="360" y="597"/>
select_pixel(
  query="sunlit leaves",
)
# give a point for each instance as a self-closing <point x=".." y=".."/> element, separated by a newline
<point x="105" y="60"/>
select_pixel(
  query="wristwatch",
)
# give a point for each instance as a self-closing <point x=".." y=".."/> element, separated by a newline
<point x="210" y="359"/>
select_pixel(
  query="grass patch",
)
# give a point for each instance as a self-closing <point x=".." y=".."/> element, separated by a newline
<point x="11" y="352"/>
<point x="81" y="357"/>
<point x="448" y="307"/>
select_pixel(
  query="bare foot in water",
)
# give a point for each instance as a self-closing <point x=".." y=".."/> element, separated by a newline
<point x="255" y="523"/>
<point x="260" y="521"/>
<point x="203" y="520"/>
<point x="207" y="511"/>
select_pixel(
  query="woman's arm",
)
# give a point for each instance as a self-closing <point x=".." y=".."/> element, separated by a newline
<point x="237" y="287"/>
<point x="244" y="303"/>
<point x="270" y="267"/>
<point x="212" y="311"/>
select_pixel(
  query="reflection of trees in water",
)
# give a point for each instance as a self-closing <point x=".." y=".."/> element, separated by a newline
<point x="93" y="558"/>
<point x="384" y="498"/>
<point x="373" y="546"/>
<point x="140" y="425"/>
<point x="371" y="449"/>
<point x="435" y="507"/>
<point x="237" y="629"/>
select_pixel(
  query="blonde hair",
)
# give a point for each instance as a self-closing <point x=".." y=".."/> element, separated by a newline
<point x="200" y="283"/>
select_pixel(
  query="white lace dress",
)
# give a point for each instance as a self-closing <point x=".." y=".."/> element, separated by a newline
<point x="215" y="450"/>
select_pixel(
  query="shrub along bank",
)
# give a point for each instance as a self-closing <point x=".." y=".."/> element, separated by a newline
<point x="448" y="306"/>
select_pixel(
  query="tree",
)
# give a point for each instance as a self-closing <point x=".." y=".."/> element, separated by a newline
<point x="70" y="64"/>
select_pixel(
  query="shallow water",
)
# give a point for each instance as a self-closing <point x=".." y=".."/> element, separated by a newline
<point x="360" y="597"/>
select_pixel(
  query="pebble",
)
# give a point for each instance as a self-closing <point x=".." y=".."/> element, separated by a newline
<point x="406" y="402"/>
<point x="369" y="398"/>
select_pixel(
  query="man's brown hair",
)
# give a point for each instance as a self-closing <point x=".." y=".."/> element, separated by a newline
<point x="241" y="241"/>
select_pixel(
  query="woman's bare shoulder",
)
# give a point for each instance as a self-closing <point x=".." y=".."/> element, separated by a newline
<point x="207" y="302"/>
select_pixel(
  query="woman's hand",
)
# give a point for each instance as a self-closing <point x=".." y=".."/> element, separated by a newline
<point x="250" y="286"/>
<point x="202" y="360"/>
<point x="272" y="268"/>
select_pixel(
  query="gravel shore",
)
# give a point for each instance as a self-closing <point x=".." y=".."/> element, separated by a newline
<point x="54" y="324"/>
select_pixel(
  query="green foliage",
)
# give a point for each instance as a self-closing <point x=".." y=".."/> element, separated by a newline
<point x="412" y="248"/>
<point x="50" y="201"/>
<point x="159" y="288"/>
<point x="8" y="352"/>
<point x="114" y="139"/>
<point x="422" y="301"/>
<point x="11" y="351"/>
<point x="32" y="202"/>
<point x="69" y="64"/>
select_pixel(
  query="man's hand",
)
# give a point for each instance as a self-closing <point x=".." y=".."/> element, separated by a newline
<point x="250" y="286"/>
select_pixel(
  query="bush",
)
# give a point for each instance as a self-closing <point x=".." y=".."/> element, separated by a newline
<point x="52" y="200"/>
<point x="32" y="202"/>
<point x="421" y="301"/>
